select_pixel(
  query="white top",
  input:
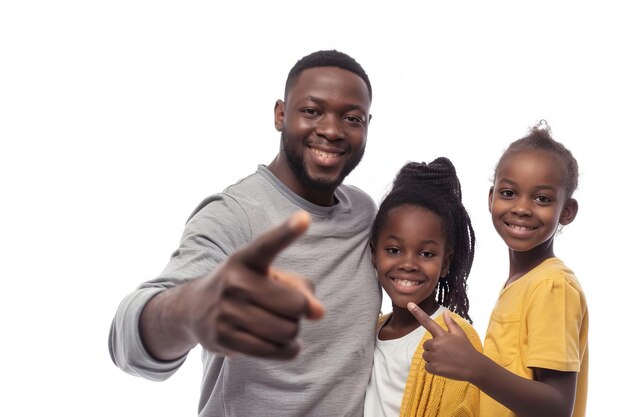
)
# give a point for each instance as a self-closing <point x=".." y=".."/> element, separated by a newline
<point x="392" y="360"/>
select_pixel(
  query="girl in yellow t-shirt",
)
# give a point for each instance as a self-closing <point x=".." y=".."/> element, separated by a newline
<point x="535" y="354"/>
<point x="422" y="247"/>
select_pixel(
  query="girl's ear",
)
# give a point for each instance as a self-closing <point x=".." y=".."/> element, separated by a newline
<point x="568" y="214"/>
<point x="447" y="261"/>
<point x="373" y="255"/>
<point x="490" y="198"/>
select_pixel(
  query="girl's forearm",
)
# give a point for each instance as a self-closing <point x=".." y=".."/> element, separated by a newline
<point x="551" y="397"/>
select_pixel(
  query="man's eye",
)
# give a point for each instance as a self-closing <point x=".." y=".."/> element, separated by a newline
<point x="354" y="119"/>
<point x="310" y="111"/>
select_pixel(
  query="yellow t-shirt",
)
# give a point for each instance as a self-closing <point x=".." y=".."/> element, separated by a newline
<point x="540" y="321"/>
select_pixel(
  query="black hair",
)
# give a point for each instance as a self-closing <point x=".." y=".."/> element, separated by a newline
<point x="436" y="187"/>
<point x="330" y="58"/>
<point x="540" y="139"/>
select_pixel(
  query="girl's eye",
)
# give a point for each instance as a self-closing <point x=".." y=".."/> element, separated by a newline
<point x="427" y="254"/>
<point x="507" y="193"/>
<point x="392" y="251"/>
<point x="543" y="199"/>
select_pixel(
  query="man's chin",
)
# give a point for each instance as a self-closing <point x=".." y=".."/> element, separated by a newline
<point x="324" y="184"/>
<point x="317" y="179"/>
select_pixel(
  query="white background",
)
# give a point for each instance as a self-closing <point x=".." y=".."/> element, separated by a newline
<point x="118" y="117"/>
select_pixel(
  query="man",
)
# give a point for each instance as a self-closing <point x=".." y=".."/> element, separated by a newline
<point x="219" y="290"/>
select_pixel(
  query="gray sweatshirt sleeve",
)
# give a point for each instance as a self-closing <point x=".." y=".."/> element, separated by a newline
<point x="217" y="228"/>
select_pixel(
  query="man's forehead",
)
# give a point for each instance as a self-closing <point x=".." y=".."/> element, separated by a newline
<point x="330" y="78"/>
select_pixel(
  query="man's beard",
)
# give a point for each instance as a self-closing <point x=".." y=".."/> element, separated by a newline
<point x="298" y="166"/>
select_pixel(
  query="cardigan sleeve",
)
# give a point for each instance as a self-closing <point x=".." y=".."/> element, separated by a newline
<point x="428" y="395"/>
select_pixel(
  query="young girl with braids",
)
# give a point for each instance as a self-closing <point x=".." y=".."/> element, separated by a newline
<point x="535" y="357"/>
<point x="422" y="245"/>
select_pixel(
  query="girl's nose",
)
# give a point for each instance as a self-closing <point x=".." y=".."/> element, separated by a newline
<point x="409" y="263"/>
<point x="522" y="208"/>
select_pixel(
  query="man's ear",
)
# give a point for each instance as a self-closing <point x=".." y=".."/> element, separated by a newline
<point x="279" y="115"/>
<point x="568" y="214"/>
<point x="490" y="198"/>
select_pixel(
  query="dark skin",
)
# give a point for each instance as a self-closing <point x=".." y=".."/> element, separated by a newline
<point x="323" y="123"/>
<point x="245" y="306"/>
<point x="527" y="204"/>
<point x="410" y="246"/>
<point x="450" y="354"/>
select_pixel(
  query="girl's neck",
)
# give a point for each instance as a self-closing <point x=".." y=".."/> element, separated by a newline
<point x="402" y="321"/>
<point x="520" y="263"/>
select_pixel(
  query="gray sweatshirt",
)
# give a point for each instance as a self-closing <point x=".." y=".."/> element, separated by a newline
<point x="330" y="375"/>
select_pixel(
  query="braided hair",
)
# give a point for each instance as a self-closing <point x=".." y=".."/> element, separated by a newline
<point x="436" y="187"/>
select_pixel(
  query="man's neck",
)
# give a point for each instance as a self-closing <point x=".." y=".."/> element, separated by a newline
<point x="324" y="198"/>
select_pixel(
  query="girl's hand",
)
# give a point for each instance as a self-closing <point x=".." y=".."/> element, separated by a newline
<point x="449" y="353"/>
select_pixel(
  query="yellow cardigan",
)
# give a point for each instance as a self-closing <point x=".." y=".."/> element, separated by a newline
<point x="428" y="395"/>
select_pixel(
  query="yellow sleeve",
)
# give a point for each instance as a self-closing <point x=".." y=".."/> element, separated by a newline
<point x="554" y="319"/>
<point x="428" y="395"/>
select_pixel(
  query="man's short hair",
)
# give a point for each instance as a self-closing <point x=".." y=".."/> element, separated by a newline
<point x="329" y="58"/>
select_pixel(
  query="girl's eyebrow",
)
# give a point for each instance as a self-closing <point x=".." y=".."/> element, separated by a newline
<point x="546" y="187"/>
<point x="399" y="239"/>
<point x="509" y="181"/>
<point x="393" y="237"/>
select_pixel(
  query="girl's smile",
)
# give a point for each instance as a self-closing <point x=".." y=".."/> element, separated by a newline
<point x="406" y="285"/>
<point x="520" y="230"/>
<point x="527" y="199"/>
<point x="410" y="256"/>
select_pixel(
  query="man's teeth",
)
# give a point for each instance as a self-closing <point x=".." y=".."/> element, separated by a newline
<point x="323" y="154"/>
<point x="407" y="283"/>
